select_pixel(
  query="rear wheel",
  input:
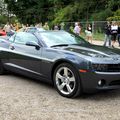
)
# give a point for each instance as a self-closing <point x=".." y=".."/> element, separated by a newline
<point x="66" y="80"/>
<point x="2" y="70"/>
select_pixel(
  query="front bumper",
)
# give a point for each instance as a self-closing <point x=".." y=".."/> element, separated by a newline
<point x="89" y="81"/>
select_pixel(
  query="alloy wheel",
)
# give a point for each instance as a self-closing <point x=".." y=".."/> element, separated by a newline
<point x="65" y="80"/>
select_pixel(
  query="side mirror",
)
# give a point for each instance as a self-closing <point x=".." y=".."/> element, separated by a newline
<point x="34" y="44"/>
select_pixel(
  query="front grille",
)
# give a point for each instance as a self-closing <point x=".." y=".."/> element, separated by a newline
<point x="117" y="82"/>
<point x="106" y="67"/>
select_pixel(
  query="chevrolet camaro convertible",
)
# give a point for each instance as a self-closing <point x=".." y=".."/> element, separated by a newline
<point x="66" y="60"/>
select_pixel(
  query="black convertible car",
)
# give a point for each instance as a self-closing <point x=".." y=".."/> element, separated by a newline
<point x="69" y="62"/>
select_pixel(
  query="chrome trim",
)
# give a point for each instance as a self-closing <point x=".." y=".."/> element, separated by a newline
<point x="22" y="68"/>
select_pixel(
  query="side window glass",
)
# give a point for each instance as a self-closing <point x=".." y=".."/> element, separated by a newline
<point x="12" y="38"/>
<point x="23" y="38"/>
<point x="19" y="40"/>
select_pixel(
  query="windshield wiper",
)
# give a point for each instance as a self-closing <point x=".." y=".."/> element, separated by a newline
<point x="60" y="45"/>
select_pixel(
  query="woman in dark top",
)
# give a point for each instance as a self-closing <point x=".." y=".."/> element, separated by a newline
<point x="107" y="34"/>
<point x="88" y="32"/>
<point x="119" y="34"/>
<point x="114" y="31"/>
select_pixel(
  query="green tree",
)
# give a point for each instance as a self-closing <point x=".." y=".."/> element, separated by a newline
<point x="32" y="11"/>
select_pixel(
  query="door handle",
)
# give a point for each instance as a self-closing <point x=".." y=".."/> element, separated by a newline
<point x="12" y="47"/>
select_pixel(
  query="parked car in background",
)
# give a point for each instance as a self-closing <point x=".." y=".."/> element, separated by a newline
<point x="34" y="29"/>
<point x="2" y="32"/>
<point x="66" y="60"/>
<point x="31" y="29"/>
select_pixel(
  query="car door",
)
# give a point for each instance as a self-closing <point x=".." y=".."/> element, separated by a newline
<point x="24" y="58"/>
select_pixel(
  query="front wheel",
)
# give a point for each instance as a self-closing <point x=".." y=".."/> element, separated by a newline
<point x="67" y="81"/>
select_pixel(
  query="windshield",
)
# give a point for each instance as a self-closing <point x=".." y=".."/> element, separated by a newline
<point x="61" y="38"/>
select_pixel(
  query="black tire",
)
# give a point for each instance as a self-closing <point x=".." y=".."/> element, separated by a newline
<point x="67" y="84"/>
<point x="2" y="70"/>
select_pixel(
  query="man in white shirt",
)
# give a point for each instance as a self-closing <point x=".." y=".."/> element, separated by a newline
<point x="7" y="29"/>
<point x="77" y="29"/>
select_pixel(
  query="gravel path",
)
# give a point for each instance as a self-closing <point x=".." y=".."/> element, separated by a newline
<point x="26" y="99"/>
<point x="97" y="42"/>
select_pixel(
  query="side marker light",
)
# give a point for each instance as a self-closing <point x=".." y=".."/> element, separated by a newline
<point x="83" y="71"/>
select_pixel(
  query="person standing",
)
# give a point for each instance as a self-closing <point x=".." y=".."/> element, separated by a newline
<point x="107" y="34"/>
<point x="88" y="32"/>
<point x="77" y="28"/>
<point x="46" y="27"/>
<point x="38" y="25"/>
<point x="24" y="27"/>
<point x="119" y="34"/>
<point x="56" y="27"/>
<point x="62" y="26"/>
<point x="7" y="28"/>
<point x="114" y="30"/>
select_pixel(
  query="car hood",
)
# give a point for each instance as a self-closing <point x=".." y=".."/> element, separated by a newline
<point x="94" y="51"/>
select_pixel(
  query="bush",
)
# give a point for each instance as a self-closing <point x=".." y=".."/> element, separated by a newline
<point x="101" y="16"/>
<point x="114" y="18"/>
<point x="3" y="19"/>
<point x="117" y="13"/>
